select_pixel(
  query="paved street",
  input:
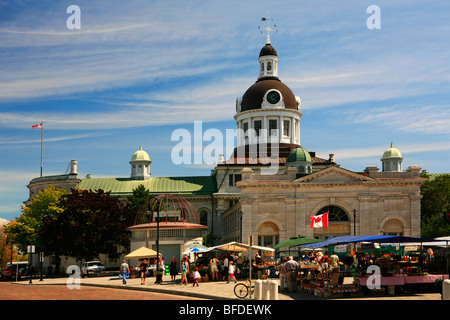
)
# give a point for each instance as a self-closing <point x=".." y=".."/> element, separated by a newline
<point x="111" y="288"/>
<point x="25" y="291"/>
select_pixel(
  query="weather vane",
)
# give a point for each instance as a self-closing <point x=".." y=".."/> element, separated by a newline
<point x="269" y="28"/>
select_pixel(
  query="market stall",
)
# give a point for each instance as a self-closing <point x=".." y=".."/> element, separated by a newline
<point x="395" y="269"/>
<point x="260" y="266"/>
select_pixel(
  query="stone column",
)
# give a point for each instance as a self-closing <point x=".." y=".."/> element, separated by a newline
<point x="415" y="215"/>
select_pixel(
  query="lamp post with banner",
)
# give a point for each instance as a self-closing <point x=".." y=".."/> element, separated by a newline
<point x="30" y="250"/>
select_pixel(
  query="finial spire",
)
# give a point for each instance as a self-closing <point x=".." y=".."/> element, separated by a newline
<point x="268" y="29"/>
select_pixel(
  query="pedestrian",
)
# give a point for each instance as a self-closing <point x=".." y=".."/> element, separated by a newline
<point x="124" y="270"/>
<point x="184" y="270"/>
<point x="196" y="276"/>
<point x="225" y="268"/>
<point x="143" y="269"/>
<point x="291" y="268"/>
<point x="173" y="268"/>
<point x="231" y="272"/>
<point x="161" y="267"/>
<point x="214" y="270"/>
<point x="282" y="274"/>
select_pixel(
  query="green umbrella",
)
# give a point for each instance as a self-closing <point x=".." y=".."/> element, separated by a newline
<point x="296" y="241"/>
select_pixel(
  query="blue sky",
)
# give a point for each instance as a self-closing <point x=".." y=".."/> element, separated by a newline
<point x="138" y="70"/>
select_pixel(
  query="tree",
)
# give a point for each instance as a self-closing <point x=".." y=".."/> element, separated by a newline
<point x="434" y="227"/>
<point x="434" y="204"/>
<point x="139" y="199"/>
<point x="91" y="224"/>
<point x="24" y="230"/>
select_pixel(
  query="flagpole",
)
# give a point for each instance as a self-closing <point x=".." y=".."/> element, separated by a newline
<point x="42" y="142"/>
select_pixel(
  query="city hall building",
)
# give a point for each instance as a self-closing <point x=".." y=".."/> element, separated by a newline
<point x="238" y="201"/>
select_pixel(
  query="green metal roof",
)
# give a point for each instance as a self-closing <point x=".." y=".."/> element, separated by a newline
<point x="299" y="155"/>
<point x="200" y="185"/>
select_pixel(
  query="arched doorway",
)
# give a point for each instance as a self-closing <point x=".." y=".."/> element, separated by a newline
<point x="393" y="227"/>
<point x="338" y="223"/>
<point x="268" y="234"/>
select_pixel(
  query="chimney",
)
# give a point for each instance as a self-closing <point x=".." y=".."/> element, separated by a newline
<point x="221" y="159"/>
<point x="73" y="167"/>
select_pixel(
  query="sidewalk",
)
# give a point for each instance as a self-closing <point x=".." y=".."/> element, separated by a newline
<point x="215" y="290"/>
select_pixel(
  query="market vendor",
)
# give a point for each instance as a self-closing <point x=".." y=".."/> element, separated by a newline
<point x="373" y="258"/>
<point x="334" y="260"/>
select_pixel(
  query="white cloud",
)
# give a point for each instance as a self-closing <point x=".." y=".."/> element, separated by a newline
<point x="405" y="149"/>
<point x="431" y="119"/>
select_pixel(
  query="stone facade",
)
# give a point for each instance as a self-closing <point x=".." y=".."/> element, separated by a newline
<point x="281" y="207"/>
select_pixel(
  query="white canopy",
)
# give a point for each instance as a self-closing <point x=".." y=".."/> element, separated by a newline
<point x="236" y="246"/>
<point x="445" y="241"/>
<point x="142" y="252"/>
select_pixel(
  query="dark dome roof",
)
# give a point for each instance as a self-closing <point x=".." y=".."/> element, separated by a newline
<point x="268" y="50"/>
<point x="253" y="97"/>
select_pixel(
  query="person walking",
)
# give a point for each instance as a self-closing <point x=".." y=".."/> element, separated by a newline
<point x="124" y="270"/>
<point x="291" y="268"/>
<point x="173" y="268"/>
<point x="184" y="270"/>
<point x="143" y="269"/>
<point x="196" y="277"/>
<point x="214" y="270"/>
<point x="225" y="269"/>
<point x="231" y="272"/>
<point x="282" y="274"/>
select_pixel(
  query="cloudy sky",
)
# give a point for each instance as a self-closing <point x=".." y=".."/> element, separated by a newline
<point x="138" y="70"/>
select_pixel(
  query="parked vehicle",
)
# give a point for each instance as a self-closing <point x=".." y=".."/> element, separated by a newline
<point x="22" y="265"/>
<point x="92" y="267"/>
<point x="9" y="273"/>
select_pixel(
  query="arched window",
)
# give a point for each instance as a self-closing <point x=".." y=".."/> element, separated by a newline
<point x="203" y="216"/>
<point x="393" y="227"/>
<point x="334" y="213"/>
<point x="268" y="234"/>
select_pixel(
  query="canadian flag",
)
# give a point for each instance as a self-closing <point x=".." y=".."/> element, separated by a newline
<point x="320" y="221"/>
<point x="37" y="126"/>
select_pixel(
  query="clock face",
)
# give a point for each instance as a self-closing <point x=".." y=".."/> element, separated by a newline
<point x="273" y="97"/>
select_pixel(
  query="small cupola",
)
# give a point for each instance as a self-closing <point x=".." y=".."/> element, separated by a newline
<point x="140" y="165"/>
<point x="392" y="160"/>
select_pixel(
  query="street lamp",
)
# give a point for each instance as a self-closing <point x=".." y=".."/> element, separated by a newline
<point x="354" y="225"/>
<point x="30" y="251"/>
<point x="158" y="280"/>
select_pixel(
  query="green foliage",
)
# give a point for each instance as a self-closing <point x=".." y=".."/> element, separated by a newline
<point x="138" y="201"/>
<point x="435" y="226"/>
<point x="91" y="224"/>
<point x="436" y="195"/>
<point x="24" y="230"/>
<point x="435" y="202"/>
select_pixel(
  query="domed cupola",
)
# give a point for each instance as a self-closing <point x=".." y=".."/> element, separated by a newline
<point x="268" y="111"/>
<point x="140" y="165"/>
<point x="268" y="62"/>
<point x="392" y="159"/>
<point x="301" y="159"/>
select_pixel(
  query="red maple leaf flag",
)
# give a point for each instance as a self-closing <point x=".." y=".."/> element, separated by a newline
<point x="320" y="221"/>
<point x="37" y="126"/>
